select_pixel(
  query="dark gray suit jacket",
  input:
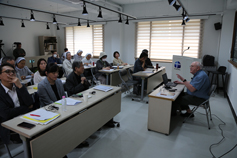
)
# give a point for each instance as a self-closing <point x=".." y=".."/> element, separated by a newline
<point x="46" y="93"/>
<point x="8" y="110"/>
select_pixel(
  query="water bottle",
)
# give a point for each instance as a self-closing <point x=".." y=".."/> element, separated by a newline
<point x="117" y="66"/>
<point x="64" y="104"/>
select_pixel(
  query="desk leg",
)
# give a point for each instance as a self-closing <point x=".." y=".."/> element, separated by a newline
<point x="142" y="88"/>
<point x="26" y="147"/>
<point x="107" y="79"/>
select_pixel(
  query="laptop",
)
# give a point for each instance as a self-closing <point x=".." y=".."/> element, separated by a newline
<point x="166" y="82"/>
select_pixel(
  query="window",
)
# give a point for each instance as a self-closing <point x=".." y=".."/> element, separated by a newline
<point x="164" y="39"/>
<point x="88" y="39"/>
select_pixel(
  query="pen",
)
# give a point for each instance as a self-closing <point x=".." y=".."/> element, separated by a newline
<point x="34" y="115"/>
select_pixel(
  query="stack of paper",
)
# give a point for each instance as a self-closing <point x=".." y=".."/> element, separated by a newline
<point x="41" y="116"/>
<point x="109" y="70"/>
<point x="148" y="71"/>
<point x="70" y="101"/>
<point x="103" y="88"/>
<point x="169" y="95"/>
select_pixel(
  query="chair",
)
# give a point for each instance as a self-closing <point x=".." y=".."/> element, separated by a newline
<point x="129" y="82"/>
<point x="206" y="105"/>
<point x="64" y="72"/>
<point x="93" y="70"/>
<point x="220" y="71"/>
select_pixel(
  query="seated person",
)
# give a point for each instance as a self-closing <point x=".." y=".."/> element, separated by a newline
<point x="22" y="69"/>
<point x="14" y="99"/>
<point x="10" y="60"/>
<point x="54" y="58"/>
<point x="78" y="56"/>
<point x="51" y="88"/>
<point x="197" y="90"/>
<point x="102" y="64"/>
<point x="63" y="56"/>
<point x="148" y="61"/>
<point x="19" y="52"/>
<point x="87" y="59"/>
<point x="67" y="64"/>
<point x="117" y="60"/>
<point x="40" y="74"/>
<point x="75" y="81"/>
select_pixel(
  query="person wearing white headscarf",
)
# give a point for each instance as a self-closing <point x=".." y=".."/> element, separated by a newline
<point x="87" y="59"/>
<point x="22" y="69"/>
<point x="78" y="57"/>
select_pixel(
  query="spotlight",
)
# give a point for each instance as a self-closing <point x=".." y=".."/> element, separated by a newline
<point x="184" y="15"/>
<point x="58" y="27"/>
<point x="54" y="20"/>
<point x="84" y="12"/>
<point x="183" y="23"/>
<point x="177" y="7"/>
<point x="47" y="26"/>
<point x="100" y="13"/>
<point x="79" y="23"/>
<point x="127" y="21"/>
<point x="120" y="18"/>
<point x="22" y="23"/>
<point x="187" y="20"/>
<point x="171" y="2"/>
<point x="88" y="25"/>
<point x="1" y="22"/>
<point x="32" y="18"/>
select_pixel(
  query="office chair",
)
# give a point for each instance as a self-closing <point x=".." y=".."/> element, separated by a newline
<point x="93" y="70"/>
<point x="126" y="84"/>
<point x="206" y="105"/>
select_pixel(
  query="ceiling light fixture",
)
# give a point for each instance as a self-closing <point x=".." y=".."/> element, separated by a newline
<point x="171" y="2"/>
<point x="100" y="13"/>
<point x="176" y="6"/>
<point x="58" y="27"/>
<point x="47" y="26"/>
<point x="120" y="18"/>
<point x="79" y="23"/>
<point x="84" y="12"/>
<point x="184" y="15"/>
<point x="127" y="21"/>
<point x="54" y="19"/>
<point x="183" y="23"/>
<point x="22" y="23"/>
<point x="1" y="22"/>
<point x="32" y="18"/>
<point x="88" y="25"/>
<point x="187" y="20"/>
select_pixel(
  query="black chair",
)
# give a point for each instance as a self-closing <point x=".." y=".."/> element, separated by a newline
<point x="220" y="71"/>
<point x="205" y="105"/>
<point x="129" y="82"/>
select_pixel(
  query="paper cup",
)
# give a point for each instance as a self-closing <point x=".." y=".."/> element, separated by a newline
<point x="85" y="97"/>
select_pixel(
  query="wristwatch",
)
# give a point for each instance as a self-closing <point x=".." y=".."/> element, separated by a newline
<point x="184" y="80"/>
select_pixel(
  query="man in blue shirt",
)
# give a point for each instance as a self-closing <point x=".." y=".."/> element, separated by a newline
<point x="54" y="58"/>
<point x="197" y="89"/>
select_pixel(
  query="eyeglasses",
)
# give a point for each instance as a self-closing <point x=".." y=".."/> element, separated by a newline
<point x="10" y="71"/>
<point x="192" y="66"/>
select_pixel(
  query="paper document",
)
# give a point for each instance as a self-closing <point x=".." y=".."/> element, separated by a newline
<point x="41" y="116"/>
<point x="70" y="101"/>
<point x="63" y="81"/>
<point x="169" y="95"/>
<point x="103" y="88"/>
<point x="26" y="81"/>
<point x="148" y="71"/>
<point x="120" y="67"/>
<point x="109" y="70"/>
<point x="28" y="76"/>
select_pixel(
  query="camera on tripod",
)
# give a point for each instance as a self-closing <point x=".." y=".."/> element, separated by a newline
<point x="1" y="44"/>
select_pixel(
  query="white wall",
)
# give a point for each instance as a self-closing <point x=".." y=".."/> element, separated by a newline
<point x="232" y="86"/>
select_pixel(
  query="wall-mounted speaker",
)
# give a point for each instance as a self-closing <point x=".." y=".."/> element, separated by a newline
<point x="217" y="26"/>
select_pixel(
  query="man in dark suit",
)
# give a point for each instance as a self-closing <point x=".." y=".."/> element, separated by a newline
<point x="76" y="82"/>
<point x="14" y="99"/>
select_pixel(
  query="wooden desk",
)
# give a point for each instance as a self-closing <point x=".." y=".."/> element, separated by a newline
<point x="159" y="111"/>
<point x="114" y="76"/>
<point x="62" y="135"/>
<point x="153" y="79"/>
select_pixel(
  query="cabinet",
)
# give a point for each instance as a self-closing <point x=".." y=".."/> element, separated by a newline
<point x="47" y="44"/>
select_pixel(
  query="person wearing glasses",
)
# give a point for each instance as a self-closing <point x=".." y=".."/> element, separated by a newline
<point x="51" y="88"/>
<point x="197" y="90"/>
<point x="14" y="99"/>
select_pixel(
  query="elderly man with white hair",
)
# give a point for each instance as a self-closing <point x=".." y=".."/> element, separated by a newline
<point x="197" y="90"/>
<point x="67" y="64"/>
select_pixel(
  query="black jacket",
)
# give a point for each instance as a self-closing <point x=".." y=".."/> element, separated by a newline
<point x="8" y="111"/>
<point x="73" y="84"/>
<point x="99" y="66"/>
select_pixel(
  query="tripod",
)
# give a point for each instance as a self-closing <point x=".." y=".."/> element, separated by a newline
<point x="1" y="52"/>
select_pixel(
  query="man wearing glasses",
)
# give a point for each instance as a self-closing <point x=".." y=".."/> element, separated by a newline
<point x="14" y="98"/>
<point x="197" y="90"/>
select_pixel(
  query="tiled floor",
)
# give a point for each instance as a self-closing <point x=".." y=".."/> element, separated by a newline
<point x="133" y="140"/>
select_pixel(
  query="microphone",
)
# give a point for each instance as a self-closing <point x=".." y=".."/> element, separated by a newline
<point x="185" y="50"/>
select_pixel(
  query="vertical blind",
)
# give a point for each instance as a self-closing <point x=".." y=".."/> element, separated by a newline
<point x="87" y="39"/>
<point x="164" y="39"/>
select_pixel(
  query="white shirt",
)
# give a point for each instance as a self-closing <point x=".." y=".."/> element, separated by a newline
<point x="67" y="65"/>
<point x="12" y="93"/>
<point x="38" y="78"/>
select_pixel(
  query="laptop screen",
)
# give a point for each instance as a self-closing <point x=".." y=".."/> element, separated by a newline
<point x="165" y="79"/>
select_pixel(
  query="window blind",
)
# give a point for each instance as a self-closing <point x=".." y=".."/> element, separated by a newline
<point x="98" y="37"/>
<point x="164" y="39"/>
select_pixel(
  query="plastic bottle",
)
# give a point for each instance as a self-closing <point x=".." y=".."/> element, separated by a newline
<point x="117" y="66"/>
<point x="64" y="104"/>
